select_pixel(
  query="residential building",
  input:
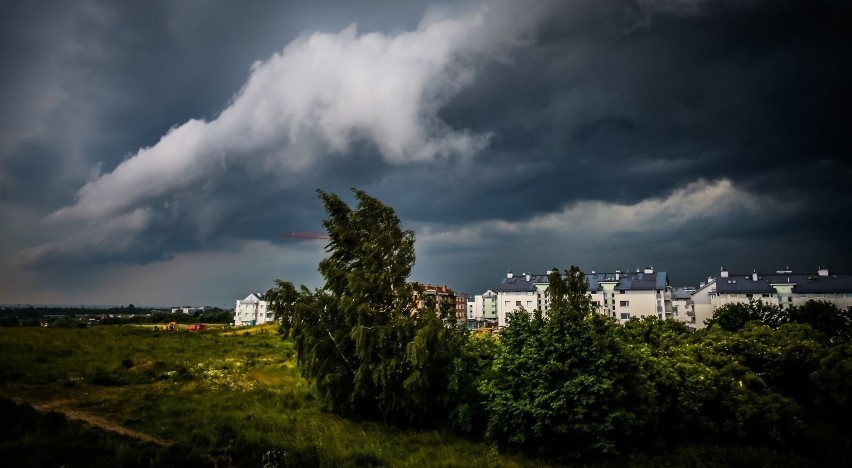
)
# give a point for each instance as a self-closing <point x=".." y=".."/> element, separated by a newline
<point x="461" y="306"/>
<point x="482" y="310"/>
<point x="252" y="311"/>
<point x="682" y="304"/>
<point x="645" y="293"/>
<point x="783" y="288"/>
<point x="620" y="295"/>
<point x="426" y="293"/>
<point x="520" y="292"/>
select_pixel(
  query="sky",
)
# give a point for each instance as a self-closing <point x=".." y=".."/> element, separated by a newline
<point x="153" y="152"/>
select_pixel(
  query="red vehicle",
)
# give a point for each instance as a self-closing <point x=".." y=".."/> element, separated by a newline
<point x="195" y="327"/>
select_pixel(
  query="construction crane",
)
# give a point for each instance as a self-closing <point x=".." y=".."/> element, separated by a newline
<point x="306" y="235"/>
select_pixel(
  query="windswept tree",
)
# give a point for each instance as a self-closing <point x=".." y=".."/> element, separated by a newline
<point x="358" y="337"/>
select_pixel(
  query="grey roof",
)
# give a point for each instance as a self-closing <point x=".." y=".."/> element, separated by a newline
<point x="626" y="281"/>
<point x="682" y="293"/>
<point x="630" y="281"/>
<point x="519" y="283"/>
<point x="804" y="283"/>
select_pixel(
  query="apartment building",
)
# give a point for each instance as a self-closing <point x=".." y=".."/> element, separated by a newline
<point x="252" y="311"/>
<point x="482" y="310"/>
<point x="783" y="288"/>
<point x="621" y="295"/>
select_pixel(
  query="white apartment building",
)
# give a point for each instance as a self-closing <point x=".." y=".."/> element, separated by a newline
<point x="682" y="304"/>
<point x="620" y="295"/>
<point x="252" y="311"/>
<point x="483" y="308"/>
<point x="783" y="288"/>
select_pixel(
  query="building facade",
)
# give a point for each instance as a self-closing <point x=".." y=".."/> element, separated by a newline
<point x="619" y="295"/>
<point x="252" y="311"/>
<point x="783" y="288"/>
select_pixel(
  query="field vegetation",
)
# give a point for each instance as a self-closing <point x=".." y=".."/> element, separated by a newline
<point x="218" y="397"/>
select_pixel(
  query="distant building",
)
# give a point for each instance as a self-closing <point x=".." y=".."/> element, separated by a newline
<point x="426" y="293"/>
<point x="783" y="288"/>
<point x="482" y="310"/>
<point x="682" y="304"/>
<point x="645" y="293"/>
<point x="186" y="310"/>
<point x="620" y="295"/>
<point x="252" y="311"/>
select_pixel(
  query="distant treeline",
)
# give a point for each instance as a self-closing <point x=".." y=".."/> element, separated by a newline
<point x="69" y="317"/>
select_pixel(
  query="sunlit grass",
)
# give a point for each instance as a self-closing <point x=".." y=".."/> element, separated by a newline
<point x="228" y="393"/>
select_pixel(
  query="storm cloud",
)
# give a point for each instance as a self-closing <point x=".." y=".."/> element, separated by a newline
<point x="142" y="142"/>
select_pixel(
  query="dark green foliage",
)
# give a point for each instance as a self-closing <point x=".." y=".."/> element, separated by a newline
<point x="732" y="317"/>
<point x="565" y="386"/>
<point x="472" y="370"/>
<point x="705" y="389"/>
<point x="358" y="337"/>
<point x="825" y="317"/>
<point x="833" y="381"/>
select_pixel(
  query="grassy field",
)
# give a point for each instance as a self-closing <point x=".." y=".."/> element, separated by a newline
<point x="221" y="397"/>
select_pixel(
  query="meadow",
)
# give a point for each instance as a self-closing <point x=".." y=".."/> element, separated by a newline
<point x="160" y="398"/>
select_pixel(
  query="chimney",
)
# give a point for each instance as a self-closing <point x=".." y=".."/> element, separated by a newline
<point x="638" y="270"/>
<point x="617" y="275"/>
<point x="723" y="273"/>
<point x="754" y="275"/>
<point x="509" y="274"/>
<point x="649" y="270"/>
<point x="527" y="277"/>
<point x="823" y="271"/>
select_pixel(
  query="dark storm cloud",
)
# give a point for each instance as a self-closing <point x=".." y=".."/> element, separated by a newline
<point x="675" y="133"/>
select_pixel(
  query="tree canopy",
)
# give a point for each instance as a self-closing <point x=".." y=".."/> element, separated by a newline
<point x="358" y="336"/>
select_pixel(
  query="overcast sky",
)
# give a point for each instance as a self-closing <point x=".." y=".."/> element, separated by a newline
<point x="152" y="152"/>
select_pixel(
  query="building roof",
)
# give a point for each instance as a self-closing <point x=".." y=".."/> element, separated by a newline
<point x="803" y="283"/>
<point x="640" y="281"/>
<point x="519" y="283"/>
<point x="682" y="293"/>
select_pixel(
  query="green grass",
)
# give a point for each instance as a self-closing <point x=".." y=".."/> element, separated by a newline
<point x="226" y="395"/>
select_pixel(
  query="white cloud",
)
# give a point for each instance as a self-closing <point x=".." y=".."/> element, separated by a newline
<point x="698" y="202"/>
<point x="315" y="99"/>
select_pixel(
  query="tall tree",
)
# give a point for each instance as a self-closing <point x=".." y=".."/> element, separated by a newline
<point x="569" y="293"/>
<point x="358" y="337"/>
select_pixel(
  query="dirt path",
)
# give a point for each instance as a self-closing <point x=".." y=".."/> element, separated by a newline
<point x="59" y="406"/>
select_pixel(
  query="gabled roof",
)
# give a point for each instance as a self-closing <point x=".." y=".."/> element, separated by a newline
<point x="253" y="297"/>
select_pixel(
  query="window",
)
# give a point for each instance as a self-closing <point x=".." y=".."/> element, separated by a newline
<point x="749" y="295"/>
<point x="624" y="303"/>
<point x="620" y="291"/>
<point x="625" y="316"/>
<point x="529" y="304"/>
<point x="764" y="295"/>
<point x="517" y="303"/>
<point x="508" y="303"/>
